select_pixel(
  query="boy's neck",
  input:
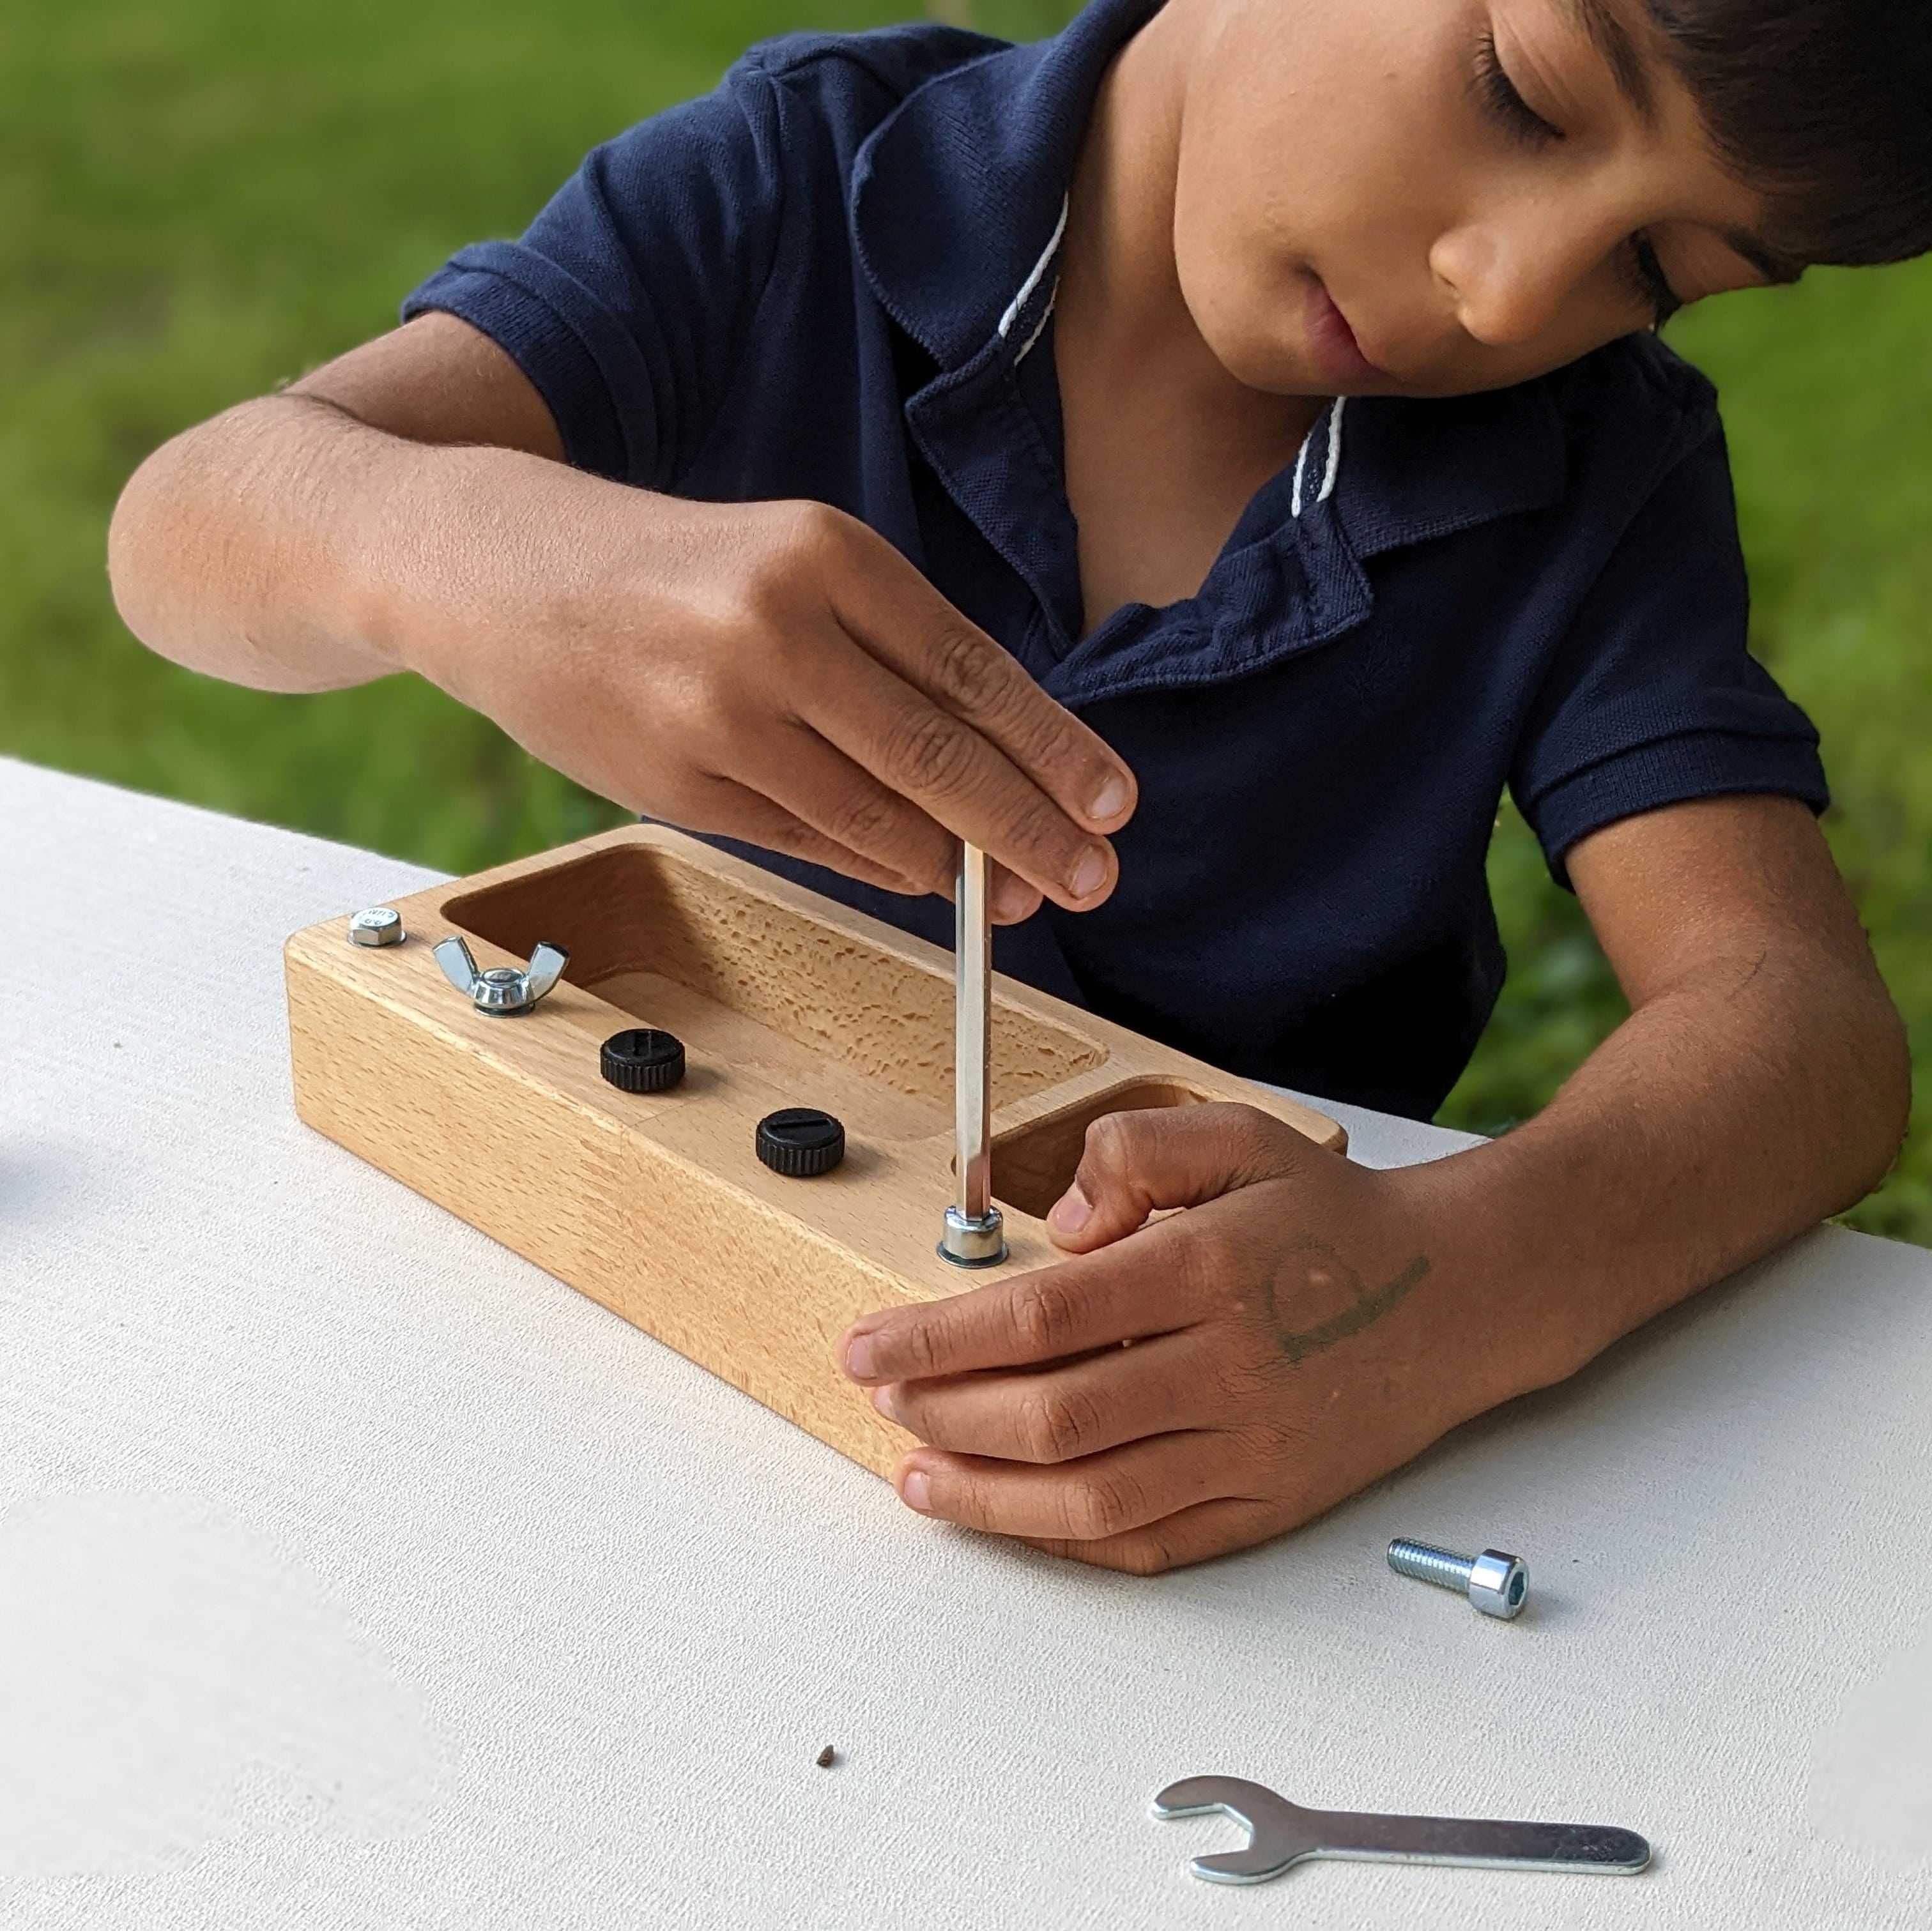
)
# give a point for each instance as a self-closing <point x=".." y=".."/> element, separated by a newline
<point x="1120" y="309"/>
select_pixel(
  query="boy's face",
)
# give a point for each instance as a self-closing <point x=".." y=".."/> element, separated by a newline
<point x="1366" y="147"/>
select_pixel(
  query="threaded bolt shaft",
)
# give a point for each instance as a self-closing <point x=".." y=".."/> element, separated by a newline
<point x="1495" y="1583"/>
<point x="1432" y="1565"/>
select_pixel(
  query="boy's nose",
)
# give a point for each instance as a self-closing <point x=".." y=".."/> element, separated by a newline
<point x="1514" y="275"/>
<point x="1507" y="294"/>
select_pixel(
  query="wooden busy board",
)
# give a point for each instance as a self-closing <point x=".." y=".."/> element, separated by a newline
<point x="655" y="1204"/>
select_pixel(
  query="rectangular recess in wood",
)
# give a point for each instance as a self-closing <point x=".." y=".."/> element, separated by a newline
<point x="656" y="1205"/>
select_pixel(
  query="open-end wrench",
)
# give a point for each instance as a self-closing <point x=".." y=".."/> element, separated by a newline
<point x="1283" y="1833"/>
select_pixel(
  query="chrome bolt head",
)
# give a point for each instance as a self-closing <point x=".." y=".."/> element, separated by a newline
<point x="380" y="925"/>
<point x="971" y="1240"/>
<point x="1495" y="1583"/>
<point x="1498" y="1584"/>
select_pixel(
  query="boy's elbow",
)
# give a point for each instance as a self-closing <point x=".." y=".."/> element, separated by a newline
<point x="1879" y="1108"/>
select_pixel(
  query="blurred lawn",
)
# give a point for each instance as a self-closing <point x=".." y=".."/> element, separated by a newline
<point x="203" y="199"/>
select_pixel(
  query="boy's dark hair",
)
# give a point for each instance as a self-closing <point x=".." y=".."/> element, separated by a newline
<point x="1823" y="106"/>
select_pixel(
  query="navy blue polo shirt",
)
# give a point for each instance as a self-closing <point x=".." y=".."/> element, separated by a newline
<point x="833" y="277"/>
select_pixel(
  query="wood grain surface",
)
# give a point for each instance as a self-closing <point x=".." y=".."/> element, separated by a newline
<point x="655" y="1205"/>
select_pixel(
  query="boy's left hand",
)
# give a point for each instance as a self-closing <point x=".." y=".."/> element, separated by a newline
<point x="1189" y="1385"/>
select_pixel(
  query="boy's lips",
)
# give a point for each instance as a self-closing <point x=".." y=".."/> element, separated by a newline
<point x="1340" y="354"/>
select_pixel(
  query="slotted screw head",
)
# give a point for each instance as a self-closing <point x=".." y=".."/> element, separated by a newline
<point x="800" y="1141"/>
<point x="643" y="1058"/>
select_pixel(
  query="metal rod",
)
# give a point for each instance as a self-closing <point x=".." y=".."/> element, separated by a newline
<point x="972" y="1009"/>
<point x="972" y="1236"/>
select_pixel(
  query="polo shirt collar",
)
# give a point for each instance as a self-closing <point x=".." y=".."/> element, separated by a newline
<point x="958" y="193"/>
<point x="958" y="202"/>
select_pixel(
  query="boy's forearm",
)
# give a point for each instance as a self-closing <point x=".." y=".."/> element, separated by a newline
<point x="1724" y="1117"/>
<point x="287" y="545"/>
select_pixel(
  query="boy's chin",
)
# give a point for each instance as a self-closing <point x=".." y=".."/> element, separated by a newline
<point x="1253" y="356"/>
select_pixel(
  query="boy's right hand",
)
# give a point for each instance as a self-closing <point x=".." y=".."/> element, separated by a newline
<point x="778" y="672"/>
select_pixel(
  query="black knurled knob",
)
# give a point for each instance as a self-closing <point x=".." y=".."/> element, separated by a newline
<point x="643" y="1060"/>
<point x="800" y="1141"/>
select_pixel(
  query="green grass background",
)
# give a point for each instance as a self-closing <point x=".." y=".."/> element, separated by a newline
<point x="200" y="200"/>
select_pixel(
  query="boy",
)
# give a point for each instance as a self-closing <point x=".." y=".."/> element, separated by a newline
<point x="1202" y="458"/>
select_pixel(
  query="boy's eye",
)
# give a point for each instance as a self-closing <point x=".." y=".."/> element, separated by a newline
<point x="1501" y="97"/>
<point x="1642" y="271"/>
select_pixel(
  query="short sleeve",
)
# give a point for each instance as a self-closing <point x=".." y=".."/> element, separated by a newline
<point x="629" y="300"/>
<point x="1653" y="698"/>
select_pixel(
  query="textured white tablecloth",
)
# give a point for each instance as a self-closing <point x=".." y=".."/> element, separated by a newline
<point x="354" y="1573"/>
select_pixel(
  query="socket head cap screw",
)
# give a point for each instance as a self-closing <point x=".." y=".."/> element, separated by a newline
<point x="1498" y="1584"/>
<point x="969" y="1242"/>
<point x="380" y="925"/>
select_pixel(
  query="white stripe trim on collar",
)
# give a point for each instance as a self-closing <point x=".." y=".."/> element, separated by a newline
<point x="1032" y="281"/>
<point x="1334" y="468"/>
<point x="1040" y="327"/>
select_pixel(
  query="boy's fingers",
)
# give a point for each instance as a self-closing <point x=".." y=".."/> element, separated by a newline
<point x="1138" y="1162"/>
<point x="922" y="751"/>
<point x="1060" y="1414"/>
<point x="818" y="784"/>
<point x="1012" y="899"/>
<point x="742" y="813"/>
<point x="897" y="615"/>
<point x="814" y="802"/>
<point x="819" y="805"/>
<point x="1103" y="1495"/>
<point x="1099" y="1300"/>
<point x="905" y="622"/>
<point x="1188" y="1535"/>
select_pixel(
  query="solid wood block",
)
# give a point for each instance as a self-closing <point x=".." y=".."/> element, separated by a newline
<point x="656" y="1204"/>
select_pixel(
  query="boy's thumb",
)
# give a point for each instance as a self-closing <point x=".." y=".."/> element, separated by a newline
<point x="1154" y="1158"/>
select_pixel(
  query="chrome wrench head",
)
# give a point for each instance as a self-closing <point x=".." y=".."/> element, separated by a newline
<point x="1278" y="1836"/>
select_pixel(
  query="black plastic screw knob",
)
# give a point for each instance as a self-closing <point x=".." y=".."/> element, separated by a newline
<point x="800" y="1141"/>
<point x="643" y="1060"/>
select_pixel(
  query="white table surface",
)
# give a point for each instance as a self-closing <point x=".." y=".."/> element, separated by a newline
<point x="353" y="1573"/>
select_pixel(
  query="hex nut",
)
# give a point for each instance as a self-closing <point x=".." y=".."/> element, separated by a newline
<point x="1498" y="1584"/>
